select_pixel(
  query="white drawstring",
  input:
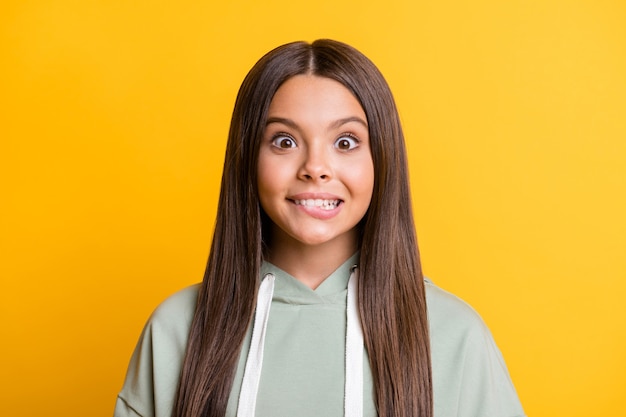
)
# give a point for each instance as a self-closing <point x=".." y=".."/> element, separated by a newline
<point x="353" y="394"/>
<point x="254" y="363"/>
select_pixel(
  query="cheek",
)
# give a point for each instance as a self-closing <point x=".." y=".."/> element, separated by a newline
<point x="361" y="176"/>
<point x="264" y="180"/>
<point x="271" y="179"/>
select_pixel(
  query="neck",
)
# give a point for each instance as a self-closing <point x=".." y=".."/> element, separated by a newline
<point x="311" y="264"/>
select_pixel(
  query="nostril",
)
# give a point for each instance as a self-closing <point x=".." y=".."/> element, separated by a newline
<point x="314" y="176"/>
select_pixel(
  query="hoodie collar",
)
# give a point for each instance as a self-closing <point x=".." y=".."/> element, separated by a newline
<point x="332" y="290"/>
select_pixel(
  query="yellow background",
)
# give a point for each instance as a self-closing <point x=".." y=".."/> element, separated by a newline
<point x="113" y="119"/>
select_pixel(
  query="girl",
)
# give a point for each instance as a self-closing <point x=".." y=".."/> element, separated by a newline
<point x="313" y="301"/>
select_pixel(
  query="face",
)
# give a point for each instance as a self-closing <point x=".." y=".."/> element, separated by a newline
<point x="316" y="173"/>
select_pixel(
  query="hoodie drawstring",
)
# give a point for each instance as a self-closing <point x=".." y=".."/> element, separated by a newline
<point x="353" y="394"/>
<point x="254" y="363"/>
<point x="353" y="390"/>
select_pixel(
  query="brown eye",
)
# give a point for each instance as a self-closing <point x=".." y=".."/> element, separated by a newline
<point x="284" y="142"/>
<point x="346" y="143"/>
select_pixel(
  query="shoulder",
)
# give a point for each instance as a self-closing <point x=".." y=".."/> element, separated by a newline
<point x="154" y="369"/>
<point x="448" y="313"/>
<point x="171" y="320"/>
<point x="456" y="329"/>
<point x="470" y="376"/>
<point x="179" y="305"/>
<point x="166" y="331"/>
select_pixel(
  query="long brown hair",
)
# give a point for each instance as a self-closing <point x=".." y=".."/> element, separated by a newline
<point x="392" y="304"/>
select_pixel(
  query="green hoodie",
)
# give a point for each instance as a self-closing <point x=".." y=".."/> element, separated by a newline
<point x="304" y="356"/>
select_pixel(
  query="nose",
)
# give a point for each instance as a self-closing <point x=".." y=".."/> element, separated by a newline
<point x="316" y="165"/>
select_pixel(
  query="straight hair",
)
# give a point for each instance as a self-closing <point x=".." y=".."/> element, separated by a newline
<point x="391" y="296"/>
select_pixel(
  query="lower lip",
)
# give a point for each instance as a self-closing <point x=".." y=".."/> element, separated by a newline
<point x="319" y="213"/>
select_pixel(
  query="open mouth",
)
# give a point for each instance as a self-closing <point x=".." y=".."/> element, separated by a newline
<point x="318" y="203"/>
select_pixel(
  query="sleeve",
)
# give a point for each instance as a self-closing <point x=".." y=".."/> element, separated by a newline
<point x="137" y="395"/>
<point x="153" y="374"/>
<point x="470" y="377"/>
<point x="122" y="409"/>
<point x="487" y="387"/>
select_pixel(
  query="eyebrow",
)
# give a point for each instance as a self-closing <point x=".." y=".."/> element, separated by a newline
<point x="335" y="124"/>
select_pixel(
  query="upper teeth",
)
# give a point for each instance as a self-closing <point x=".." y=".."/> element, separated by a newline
<point x="318" y="202"/>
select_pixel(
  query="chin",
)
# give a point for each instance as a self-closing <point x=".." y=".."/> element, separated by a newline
<point x="314" y="241"/>
<point x="320" y="239"/>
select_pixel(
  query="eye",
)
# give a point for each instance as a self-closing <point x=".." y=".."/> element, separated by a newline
<point x="283" y="141"/>
<point x="346" y="142"/>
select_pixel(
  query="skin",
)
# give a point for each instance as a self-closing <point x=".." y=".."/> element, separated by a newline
<point x="315" y="147"/>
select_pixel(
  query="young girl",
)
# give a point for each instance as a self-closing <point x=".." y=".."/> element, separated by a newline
<point x="313" y="301"/>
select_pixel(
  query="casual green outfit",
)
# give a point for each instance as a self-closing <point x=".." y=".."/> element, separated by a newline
<point x="303" y="365"/>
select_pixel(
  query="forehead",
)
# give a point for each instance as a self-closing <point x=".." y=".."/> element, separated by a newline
<point x="312" y="94"/>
